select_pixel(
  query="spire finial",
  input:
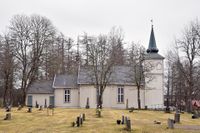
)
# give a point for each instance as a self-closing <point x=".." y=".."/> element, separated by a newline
<point x="152" y="22"/>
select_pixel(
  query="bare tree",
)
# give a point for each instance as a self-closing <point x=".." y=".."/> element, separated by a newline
<point x="116" y="39"/>
<point x="190" y="46"/>
<point x="30" y="35"/>
<point x="140" y="69"/>
<point x="101" y="65"/>
<point x="7" y="69"/>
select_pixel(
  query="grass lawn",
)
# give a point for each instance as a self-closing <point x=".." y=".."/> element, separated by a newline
<point x="60" y="122"/>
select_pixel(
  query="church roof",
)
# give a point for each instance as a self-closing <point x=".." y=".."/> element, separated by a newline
<point x="65" y="81"/>
<point x="41" y="87"/>
<point x="120" y="75"/>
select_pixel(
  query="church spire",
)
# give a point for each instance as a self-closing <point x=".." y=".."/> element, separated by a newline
<point x="152" y="42"/>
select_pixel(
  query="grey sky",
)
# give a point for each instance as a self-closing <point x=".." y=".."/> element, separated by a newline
<point x="73" y="17"/>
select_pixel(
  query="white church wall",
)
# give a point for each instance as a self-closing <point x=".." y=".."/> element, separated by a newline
<point x="110" y="96"/>
<point x="154" y="88"/>
<point x="59" y="98"/>
<point x="40" y="98"/>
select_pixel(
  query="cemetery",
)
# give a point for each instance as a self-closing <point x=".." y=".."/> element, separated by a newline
<point x="64" y="120"/>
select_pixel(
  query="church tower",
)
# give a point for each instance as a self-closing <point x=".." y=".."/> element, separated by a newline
<point x="154" y="76"/>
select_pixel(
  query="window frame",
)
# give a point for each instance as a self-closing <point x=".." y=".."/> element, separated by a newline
<point x="67" y="95"/>
<point x="120" y="94"/>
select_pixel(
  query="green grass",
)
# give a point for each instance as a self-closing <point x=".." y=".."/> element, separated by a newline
<point x="60" y="122"/>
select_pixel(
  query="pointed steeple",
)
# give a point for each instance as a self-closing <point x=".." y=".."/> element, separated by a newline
<point x="152" y="43"/>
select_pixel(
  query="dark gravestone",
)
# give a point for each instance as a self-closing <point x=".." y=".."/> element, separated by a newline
<point x="81" y="120"/>
<point x="177" y="117"/>
<point x="29" y="110"/>
<point x="36" y="105"/>
<point x="87" y="104"/>
<point x="73" y="124"/>
<point x="157" y="122"/>
<point x="8" y="116"/>
<point x="195" y="115"/>
<point x="8" y="108"/>
<point x="122" y="119"/>
<point x="45" y="103"/>
<point x="118" y="122"/>
<point x="78" y="121"/>
<point x="83" y="117"/>
<point x="170" y="123"/>
<point x="126" y="103"/>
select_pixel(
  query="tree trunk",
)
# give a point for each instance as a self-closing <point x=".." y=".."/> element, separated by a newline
<point x="138" y="95"/>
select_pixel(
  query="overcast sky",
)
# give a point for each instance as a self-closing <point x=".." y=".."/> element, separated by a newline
<point x="73" y="17"/>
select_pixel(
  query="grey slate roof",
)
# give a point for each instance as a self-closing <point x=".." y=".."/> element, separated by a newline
<point x="152" y="43"/>
<point x="120" y="75"/>
<point x="41" y="87"/>
<point x="65" y="81"/>
<point x="153" y="56"/>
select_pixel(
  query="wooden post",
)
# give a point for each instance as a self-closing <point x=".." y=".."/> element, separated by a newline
<point x="122" y="119"/>
<point x="170" y="123"/>
<point x="83" y="117"/>
<point x="177" y="117"/>
<point x="8" y="116"/>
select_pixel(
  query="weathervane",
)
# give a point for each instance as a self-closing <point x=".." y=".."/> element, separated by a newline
<point x="152" y="22"/>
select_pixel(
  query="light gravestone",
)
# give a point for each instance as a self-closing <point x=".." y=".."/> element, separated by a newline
<point x="170" y="123"/>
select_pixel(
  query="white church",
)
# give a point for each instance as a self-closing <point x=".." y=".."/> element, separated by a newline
<point x="72" y="91"/>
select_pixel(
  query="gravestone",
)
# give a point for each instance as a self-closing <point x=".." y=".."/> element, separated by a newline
<point x="118" y="122"/>
<point x="29" y="110"/>
<point x="98" y="113"/>
<point x="36" y="105"/>
<point x="83" y="117"/>
<point x="125" y="121"/>
<point x="195" y="115"/>
<point x="81" y="120"/>
<point x="73" y="124"/>
<point x="126" y="103"/>
<point x="51" y="108"/>
<point x="170" y="123"/>
<point x="87" y="104"/>
<point x="146" y="107"/>
<point x="128" y="124"/>
<point x="19" y="107"/>
<point x="40" y="108"/>
<point x="45" y="103"/>
<point x="177" y="117"/>
<point x="122" y="119"/>
<point x="8" y="116"/>
<point x="78" y="121"/>
<point x="8" y="108"/>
